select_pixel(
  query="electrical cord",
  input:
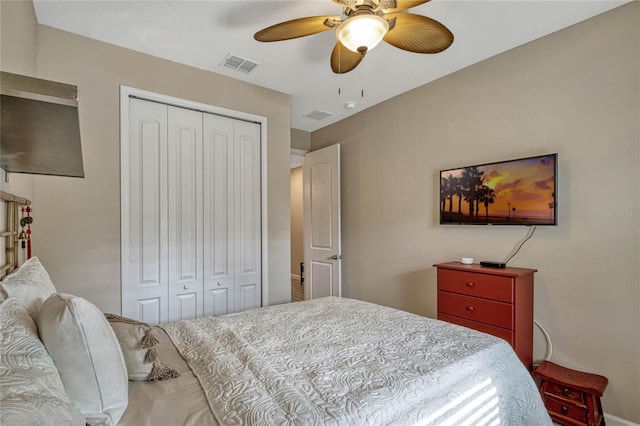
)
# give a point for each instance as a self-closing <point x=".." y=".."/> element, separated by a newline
<point x="547" y="338"/>
<point x="533" y="229"/>
<point x="547" y="355"/>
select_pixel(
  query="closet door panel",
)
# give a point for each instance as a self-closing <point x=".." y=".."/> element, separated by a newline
<point x="150" y="311"/>
<point x="187" y="305"/>
<point x="185" y="213"/>
<point x="218" y="302"/>
<point x="247" y="212"/>
<point x="219" y="234"/>
<point x="248" y="297"/>
<point x="144" y="214"/>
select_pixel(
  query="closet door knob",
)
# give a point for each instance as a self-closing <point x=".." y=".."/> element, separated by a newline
<point x="186" y="287"/>
<point x="219" y="283"/>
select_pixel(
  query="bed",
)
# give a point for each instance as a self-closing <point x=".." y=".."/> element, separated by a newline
<point x="337" y="361"/>
<point x="327" y="361"/>
<point x="324" y="361"/>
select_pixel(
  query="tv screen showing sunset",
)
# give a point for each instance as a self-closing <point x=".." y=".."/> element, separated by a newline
<point x="516" y="192"/>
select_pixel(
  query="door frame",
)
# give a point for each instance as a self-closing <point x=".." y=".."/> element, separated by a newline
<point x="127" y="92"/>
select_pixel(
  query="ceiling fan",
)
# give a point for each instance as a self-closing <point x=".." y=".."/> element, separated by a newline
<point x="367" y="22"/>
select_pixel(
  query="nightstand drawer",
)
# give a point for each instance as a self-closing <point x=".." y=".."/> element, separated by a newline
<point x="565" y="392"/>
<point x="486" y="311"/>
<point x="474" y="284"/>
<point x="564" y="408"/>
<point x="485" y="328"/>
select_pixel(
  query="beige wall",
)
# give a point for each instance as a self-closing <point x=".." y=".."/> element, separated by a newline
<point x="78" y="236"/>
<point x="297" y="221"/>
<point x="18" y="47"/>
<point x="18" y="37"/>
<point x="575" y="92"/>
<point x="300" y="139"/>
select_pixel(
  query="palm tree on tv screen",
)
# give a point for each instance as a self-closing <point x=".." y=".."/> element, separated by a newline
<point x="487" y="196"/>
<point x="453" y="188"/>
<point x="458" y="193"/>
<point x="444" y="190"/>
<point x="471" y="181"/>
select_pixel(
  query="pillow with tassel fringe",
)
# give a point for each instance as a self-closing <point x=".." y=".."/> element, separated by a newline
<point x="138" y="342"/>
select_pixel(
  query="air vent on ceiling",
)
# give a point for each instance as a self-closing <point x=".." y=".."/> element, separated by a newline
<point x="239" y="64"/>
<point x="317" y="114"/>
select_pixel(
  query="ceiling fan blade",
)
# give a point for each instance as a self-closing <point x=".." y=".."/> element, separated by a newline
<point x="344" y="60"/>
<point x="417" y="33"/>
<point x="297" y="28"/>
<point x="391" y="6"/>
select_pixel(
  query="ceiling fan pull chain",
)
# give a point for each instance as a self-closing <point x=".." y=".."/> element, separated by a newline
<point x="339" y="74"/>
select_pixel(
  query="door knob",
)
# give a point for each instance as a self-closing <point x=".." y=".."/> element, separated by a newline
<point x="335" y="257"/>
<point x="219" y="283"/>
<point x="186" y="287"/>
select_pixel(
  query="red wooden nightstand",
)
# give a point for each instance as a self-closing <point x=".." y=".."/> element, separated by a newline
<point x="498" y="301"/>
<point x="571" y="397"/>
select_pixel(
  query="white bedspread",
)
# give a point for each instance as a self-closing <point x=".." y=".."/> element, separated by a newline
<point x="337" y="361"/>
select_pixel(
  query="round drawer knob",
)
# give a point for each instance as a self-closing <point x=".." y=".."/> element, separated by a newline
<point x="470" y="284"/>
<point x="564" y="410"/>
<point x="565" y="391"/>
<point x="469" y="308"/>
<point x="186" y="287"/>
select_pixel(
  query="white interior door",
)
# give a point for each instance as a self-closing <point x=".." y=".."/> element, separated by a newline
<point x="219" y="223"/>
<point x="247" y="212"/>
<point x="322" y="250"/>
<point x="144" y="214"/>
<point x="185" y="213"/>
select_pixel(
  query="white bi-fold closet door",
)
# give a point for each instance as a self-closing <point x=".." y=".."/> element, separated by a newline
<point x="191" y="243"/>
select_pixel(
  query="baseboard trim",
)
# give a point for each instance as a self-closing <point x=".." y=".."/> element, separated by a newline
<point x="617" y="421"/>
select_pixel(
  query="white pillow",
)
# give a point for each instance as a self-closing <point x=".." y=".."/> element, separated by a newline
<point x="87" y="355"/>
<point x="30" y="284"/>
<point x="31" y="390"/>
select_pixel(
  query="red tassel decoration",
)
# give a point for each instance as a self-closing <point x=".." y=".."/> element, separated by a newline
<point x="29" y="220"/>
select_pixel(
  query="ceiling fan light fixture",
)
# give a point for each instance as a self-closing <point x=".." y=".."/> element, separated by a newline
<point x="361" y="33"/>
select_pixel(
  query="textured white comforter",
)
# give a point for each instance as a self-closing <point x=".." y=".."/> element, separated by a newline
<point x="337" y="361"/>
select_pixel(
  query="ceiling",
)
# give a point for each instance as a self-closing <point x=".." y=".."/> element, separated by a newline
<point x="202" y="33"/>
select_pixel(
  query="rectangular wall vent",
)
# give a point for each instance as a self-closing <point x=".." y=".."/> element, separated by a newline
<point x="317" y="114"/>
<point x="239" y="64"/>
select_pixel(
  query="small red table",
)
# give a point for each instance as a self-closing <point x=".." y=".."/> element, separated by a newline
<point x="571" y="397"/>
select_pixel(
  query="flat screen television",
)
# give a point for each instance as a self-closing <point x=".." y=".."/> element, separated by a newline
<point x="513" y="192"/>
